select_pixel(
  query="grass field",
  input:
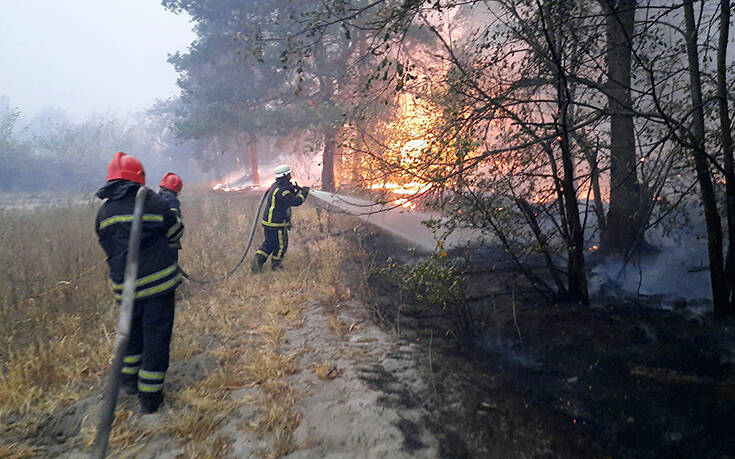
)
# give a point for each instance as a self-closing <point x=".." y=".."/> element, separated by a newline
<point x="57" y="320"/>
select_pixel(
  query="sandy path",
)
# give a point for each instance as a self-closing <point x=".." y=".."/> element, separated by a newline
<point x="358" y="413"/>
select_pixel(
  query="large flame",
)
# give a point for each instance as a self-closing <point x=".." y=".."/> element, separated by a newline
<point x="226" y="188"/>
<point x="410" y="137"/>
<point x="235" y="181"/>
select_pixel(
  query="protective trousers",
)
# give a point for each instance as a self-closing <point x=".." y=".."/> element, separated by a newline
<point x="275" y="245"/>
<point x="147" y="356"/>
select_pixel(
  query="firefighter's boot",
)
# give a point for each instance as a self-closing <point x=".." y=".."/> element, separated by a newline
<point x="276" y="265"/>
<point x="257" y="265"/>
<point x="150" y="401"/>
<point x="129" y="383"/>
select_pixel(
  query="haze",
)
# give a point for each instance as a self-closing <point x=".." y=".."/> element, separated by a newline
<point x="88" y="56"/>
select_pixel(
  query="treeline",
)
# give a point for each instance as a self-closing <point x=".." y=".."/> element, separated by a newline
<point x="53" y="153"/>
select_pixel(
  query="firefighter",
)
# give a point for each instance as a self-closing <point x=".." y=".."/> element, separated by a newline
<point x="169" y="189"/>
<point x="282" y="195"/>
<point x="146" y="358"/>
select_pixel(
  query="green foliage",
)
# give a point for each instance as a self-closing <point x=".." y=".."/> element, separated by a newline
<point x="435" y="282"/>
<point x="241" y="76"/>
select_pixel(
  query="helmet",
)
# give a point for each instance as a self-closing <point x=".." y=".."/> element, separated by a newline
<point x="172" y="182"/>
<point x="282" y="171"/>
<point x="125" y="167"/>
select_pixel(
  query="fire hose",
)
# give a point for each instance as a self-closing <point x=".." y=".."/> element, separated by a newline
<point x="244" y="253"/>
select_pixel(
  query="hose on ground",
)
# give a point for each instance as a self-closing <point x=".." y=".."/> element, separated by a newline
<point x="244" y="253"/>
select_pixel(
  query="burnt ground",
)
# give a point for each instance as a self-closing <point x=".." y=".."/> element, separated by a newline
<point x="620" y="378"/>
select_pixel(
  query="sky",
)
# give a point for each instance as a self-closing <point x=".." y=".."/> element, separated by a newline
<point x="88" y="57"/>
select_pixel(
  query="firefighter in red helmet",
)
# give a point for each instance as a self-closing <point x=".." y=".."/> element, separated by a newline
<point x="169" y="188"/>
<point x="147" y="356"/>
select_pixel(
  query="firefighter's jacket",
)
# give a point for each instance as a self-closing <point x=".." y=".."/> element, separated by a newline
<point x="281" y="197"/>
<point x="173" y="203"/>
<point x="158" y="271"/>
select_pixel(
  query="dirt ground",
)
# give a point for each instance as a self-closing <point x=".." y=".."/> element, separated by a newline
<point x="619" y="378"/>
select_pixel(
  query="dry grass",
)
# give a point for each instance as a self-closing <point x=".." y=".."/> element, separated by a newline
<point x="55" y="327"/>
<point x="54" y="350"/>
<point x="246" y="317"/>
<point x="15" y="451"/>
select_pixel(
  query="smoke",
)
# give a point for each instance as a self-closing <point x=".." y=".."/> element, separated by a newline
<point x="674" y="266"/>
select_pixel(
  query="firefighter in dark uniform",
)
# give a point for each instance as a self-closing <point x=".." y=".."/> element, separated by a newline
<point x="277" y="218"/>
<point x="146" y="358"/>
<point x="169" y="189"/>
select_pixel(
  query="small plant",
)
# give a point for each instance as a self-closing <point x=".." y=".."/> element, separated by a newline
<point x="437" y="282"/>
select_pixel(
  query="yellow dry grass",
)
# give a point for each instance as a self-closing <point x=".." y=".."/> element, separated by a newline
<point x="54" y="349"/>
<point x="55" y="318"/>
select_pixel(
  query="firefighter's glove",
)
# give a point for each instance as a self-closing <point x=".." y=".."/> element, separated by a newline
<point x="305" y="190"/>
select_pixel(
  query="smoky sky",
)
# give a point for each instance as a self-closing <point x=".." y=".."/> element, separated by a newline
<point x="88" y="56"/>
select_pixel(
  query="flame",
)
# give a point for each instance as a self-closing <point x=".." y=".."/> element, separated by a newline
<point x="407" y="189"/>
<point x="221" y="186"/>
<point x="237" y="180"/>
<point x="405" y="203"/>
<point x="411" y="136"/>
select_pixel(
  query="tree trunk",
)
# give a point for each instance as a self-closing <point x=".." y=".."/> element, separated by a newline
<point x="576" y="274"/>
<point x="330" y="145"/>
<point x="577" y="277"/>
<point x="355" y="178"/>
<point x="624" y="220"/>
<point x="599" y="208"/>
<point x="704" y="179"/>
<point x="338" y="165"/>
<point x="591" y="155"/>
<point x="253" y="153"/>
<point x="727" y="148"/>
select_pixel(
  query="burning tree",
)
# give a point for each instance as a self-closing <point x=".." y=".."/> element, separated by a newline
<point x="503" y="134"/>
<point x="524" y="99"/>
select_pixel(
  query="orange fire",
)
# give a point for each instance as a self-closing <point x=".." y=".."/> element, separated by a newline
<point x="226" y="188"/>
<point x="407" y="189"/>
<point x="411" y="136"/>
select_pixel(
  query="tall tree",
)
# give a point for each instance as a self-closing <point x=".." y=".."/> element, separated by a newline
<point x="253" y="73"/>
<point x="727" y="149"/>
<point x="230" y="91"/>
<point x="625" y="222"/>
<point x="704" y="175"/>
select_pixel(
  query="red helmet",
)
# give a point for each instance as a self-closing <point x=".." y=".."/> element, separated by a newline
<point x="125" y="167"/>
<point x="172" y="182"/>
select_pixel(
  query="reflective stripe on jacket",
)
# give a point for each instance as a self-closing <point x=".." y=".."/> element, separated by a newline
<point x="280" y="198"/>
<point x="172" y="201"/>
<point x="157" y="269"/>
